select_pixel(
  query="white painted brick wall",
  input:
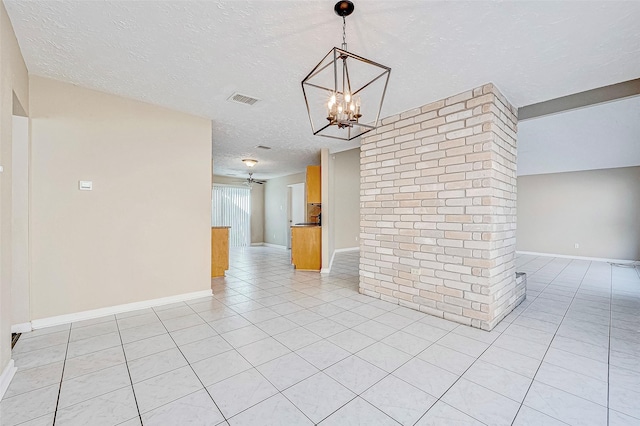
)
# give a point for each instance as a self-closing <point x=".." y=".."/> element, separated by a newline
<point x="438" y="193"/>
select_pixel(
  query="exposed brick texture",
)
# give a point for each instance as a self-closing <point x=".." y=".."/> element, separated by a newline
<point x="438" y="195"/>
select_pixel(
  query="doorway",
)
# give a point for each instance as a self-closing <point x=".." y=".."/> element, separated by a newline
<point x="295" y="208"/>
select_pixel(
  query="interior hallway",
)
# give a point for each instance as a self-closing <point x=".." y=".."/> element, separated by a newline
<point x="276" y="346"/>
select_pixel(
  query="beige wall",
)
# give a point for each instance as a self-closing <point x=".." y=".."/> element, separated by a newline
<point x="275" y="208"/>
<point x="257" y="205"/>
<point x="20" y="268"/>
<point x="597" y="209"/>
<point x="345" y="198"/>
<point x="144" y="230"/>
<point x="13" y="79"/>
<point x="328" y="222"/>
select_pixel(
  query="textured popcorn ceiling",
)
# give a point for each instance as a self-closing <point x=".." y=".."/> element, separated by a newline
<point x="191" y="56"/>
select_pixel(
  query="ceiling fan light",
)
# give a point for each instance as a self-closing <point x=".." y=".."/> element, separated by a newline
<point x="249" y="162"/>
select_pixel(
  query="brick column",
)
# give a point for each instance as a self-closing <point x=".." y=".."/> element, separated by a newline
<point x="438" y="212"/>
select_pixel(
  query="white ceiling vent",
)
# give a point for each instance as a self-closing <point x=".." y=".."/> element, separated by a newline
<point x="242" y="99"/>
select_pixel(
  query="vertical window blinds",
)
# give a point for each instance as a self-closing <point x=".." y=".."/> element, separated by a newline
<point x="231" y="206"/>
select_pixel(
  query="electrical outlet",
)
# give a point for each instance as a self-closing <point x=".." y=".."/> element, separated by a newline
<point x="576" y="245"/>
<point x="415" y="271"/>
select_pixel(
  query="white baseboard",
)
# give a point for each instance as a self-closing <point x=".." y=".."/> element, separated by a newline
<point x="25" y="327"/>
<point x="565" y="256"/>
<point x="328" y="270"/>
<point x="111" y="310"/>
<point x="274" y="246"/>
<point x="346" y="249"/>
<point x="6" y="377"/>
<point x="256" y="244"/>
<point x="341" y="250"/>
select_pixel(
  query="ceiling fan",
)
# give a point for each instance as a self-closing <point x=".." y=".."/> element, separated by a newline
<point x="250" y="181"/>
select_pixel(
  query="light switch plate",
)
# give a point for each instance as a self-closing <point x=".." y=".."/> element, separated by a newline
<point x="85" y="185"/>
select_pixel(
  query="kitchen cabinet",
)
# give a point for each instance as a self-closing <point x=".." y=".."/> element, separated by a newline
<point x="306" y="247"/>
<point x="219" y="250"/>
<point x="314" y="188"/>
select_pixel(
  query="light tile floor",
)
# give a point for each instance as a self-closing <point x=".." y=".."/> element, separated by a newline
<point x="276" y="346"/>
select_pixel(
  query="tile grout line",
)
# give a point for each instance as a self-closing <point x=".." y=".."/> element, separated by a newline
<point x="551" y="341"/>
<point x="126" y="362"/>
<point x="609" y="351"/>
<point x="121" y="340"/>
<point x="281" y="392"/>
<point x="438" y="399"/>
<point x="548" y="284"/>
<point x="64" y="360"/>
<point x="388" y="373"/>
<point x="233" y="348"/>
<point x="192" y="370"/>
<point x="259" y="372"/>
<point x="391" y="373"/>
<point x="305" y="293"/>
<point x="64" y="363"/>
<point x="520" y="314"/>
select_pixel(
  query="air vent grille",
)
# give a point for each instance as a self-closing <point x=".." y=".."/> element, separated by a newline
<point x="263" y="147"/>
<point x="242" y="99"/>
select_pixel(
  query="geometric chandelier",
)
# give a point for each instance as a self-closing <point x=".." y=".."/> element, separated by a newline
<point x="344" y="92"/>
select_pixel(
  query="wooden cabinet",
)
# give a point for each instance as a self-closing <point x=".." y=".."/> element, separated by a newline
<point x="219" y="250"/>
<point x="306" y="247"/>
<point x="314" y="188"/>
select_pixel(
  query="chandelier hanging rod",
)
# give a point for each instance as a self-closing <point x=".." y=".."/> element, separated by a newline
<point x="344" y="32"/>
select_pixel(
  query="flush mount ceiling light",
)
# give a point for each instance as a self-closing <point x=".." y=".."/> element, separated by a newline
<point x="249" y="162"/>
<point x="344" y="92"/>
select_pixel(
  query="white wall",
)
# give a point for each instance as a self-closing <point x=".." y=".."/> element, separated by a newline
<point x="276" y="223"/>
<point x="602" y="136"/>
<point x="345" y="198"/>
<point x="13" y="83"/>
<point x="298" y="203"/>
<point x="328" y="223"/>
<point x="20" y="222"/>
<point x="257" y="205"/>
<point x="144" y="230"/>
<point x="597" y="209"/>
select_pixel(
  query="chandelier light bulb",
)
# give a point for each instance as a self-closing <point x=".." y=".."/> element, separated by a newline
<point x="338" y="75"/>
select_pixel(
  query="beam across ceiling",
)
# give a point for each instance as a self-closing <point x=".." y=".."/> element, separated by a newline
<point x="579" y="100"/>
